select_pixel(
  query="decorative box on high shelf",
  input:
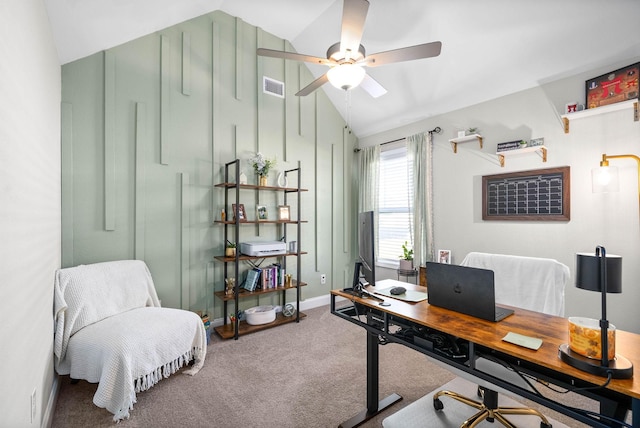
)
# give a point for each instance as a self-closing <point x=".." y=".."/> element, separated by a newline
<point x="237" y="327"/>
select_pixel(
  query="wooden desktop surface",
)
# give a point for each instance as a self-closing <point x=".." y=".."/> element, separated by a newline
<point x="554" y="331"/>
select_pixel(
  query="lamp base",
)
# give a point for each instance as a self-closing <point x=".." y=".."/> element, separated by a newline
<point x="619" y="367"/>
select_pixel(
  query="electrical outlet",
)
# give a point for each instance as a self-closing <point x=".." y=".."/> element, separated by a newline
<point x="33" y="405"/>
<point x="323" y="279"/>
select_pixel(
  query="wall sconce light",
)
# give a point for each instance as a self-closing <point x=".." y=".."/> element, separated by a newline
<point x="605" y="178"/>
<point x="602" y="273"/>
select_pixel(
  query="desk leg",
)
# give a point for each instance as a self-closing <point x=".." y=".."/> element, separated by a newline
<point x="635" y="412"/>
<point x="373" y="406"/>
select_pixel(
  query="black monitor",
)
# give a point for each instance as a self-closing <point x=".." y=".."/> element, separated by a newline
<point x="366" y="247"/>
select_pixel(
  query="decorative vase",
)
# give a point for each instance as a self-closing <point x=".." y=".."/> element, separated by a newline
<point x="263" y="180"/>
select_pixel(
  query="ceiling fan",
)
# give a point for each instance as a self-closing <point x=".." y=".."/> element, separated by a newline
<point x="347" y="57"/>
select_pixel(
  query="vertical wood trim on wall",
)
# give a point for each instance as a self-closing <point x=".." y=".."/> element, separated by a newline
<point x="67" y="183"/>
<point x="260" y="97"/>
<point x="215" y="86"/>
<point x="316" y="202"/>
<point x="285" y="47"/>
<point x="234" y="142"/>
<point x="185" y="205"/>
<point x="186" y="63"/>
<point x="299" y="99"/>
<point x="165" y="88"/>
<point x="140" y="194"/>
<point x="346" y="143"/>
<point x="239" y="52"/>
<point x="109" y="141"/>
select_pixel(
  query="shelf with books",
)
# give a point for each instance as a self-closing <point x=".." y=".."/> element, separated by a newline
<point x="269" y="279"/>
<point x="245" y="293"/>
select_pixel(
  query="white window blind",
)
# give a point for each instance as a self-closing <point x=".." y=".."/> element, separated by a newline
<point x="395" y="216"/>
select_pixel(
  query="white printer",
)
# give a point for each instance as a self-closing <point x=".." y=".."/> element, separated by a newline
<point x="263" y="248"/>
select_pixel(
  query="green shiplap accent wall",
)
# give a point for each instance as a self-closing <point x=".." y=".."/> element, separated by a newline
<point x="179" y="104"/>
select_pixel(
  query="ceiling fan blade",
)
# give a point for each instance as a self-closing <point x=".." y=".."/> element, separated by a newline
<point x="313" y="86"/>
<point x="372" y="86"/>
<point x="426" y="50"/>
<point x="292" y="55"/>
<point x="354" y="13"/>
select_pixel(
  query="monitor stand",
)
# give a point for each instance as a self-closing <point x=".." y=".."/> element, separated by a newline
<point x="358" y="288"/>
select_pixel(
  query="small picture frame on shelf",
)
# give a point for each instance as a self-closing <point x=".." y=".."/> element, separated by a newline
<point x="284" y="213"/>
<point x="444" y="256"/>
<point x="239" y="211"/>
<point x="262" y="213"/>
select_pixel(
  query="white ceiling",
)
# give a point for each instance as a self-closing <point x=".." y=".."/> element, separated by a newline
<point x="491" y="48"/>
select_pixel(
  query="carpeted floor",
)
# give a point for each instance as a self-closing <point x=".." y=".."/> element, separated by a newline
<point x="311" y="374"/>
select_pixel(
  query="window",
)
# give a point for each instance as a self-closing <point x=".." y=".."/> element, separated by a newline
<point x="395" y="213"/>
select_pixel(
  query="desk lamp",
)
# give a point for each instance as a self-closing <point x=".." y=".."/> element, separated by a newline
<point x="601" y="273"/>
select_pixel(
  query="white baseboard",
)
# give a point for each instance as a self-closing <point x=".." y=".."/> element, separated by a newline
<point x="47" y="419"/>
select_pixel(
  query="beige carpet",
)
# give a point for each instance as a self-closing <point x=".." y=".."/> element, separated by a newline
<point x="311" y="374"/>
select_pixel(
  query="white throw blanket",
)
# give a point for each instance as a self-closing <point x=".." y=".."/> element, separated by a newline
<point x="536" y="284"/>
<point x="111" y="330"/>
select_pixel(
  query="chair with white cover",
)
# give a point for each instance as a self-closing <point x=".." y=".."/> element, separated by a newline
<point x="111" y="330"/>
<point x="535" y="284"/>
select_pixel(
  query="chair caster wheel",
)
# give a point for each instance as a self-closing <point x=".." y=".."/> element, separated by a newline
<point x="437" y="404"/>
<point x="543" y="425"/>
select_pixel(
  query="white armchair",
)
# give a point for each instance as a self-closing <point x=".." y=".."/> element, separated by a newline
<point x="111" y="330"/>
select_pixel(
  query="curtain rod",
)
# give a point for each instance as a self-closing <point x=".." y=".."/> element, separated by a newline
<point x="436" y="130"/>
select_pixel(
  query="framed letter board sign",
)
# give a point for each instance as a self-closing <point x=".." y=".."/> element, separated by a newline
<point x="541" y="195"/>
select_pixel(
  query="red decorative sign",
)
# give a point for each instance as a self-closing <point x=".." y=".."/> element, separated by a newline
<point x="613" y="87"/>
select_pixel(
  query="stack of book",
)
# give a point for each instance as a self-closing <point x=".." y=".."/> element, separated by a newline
<point x="264" y="278"/>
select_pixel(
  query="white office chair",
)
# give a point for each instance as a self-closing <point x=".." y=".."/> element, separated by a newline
<point x="535" y="284"/>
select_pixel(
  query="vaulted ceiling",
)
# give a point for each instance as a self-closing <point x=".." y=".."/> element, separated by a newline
<point x="490" y="48"/>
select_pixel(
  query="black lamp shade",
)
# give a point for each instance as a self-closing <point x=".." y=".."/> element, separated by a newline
<point x="588" y="272"/>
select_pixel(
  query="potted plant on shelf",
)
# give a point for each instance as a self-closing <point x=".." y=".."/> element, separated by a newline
<point x="406" y="259"/>
<point x="230" y="251"/>
<point x="262" y="166"/>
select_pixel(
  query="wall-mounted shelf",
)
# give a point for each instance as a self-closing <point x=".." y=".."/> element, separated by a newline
<point x="624" y="105"/>
<point x="506" y="153"/>
<point x="467" y="138"/>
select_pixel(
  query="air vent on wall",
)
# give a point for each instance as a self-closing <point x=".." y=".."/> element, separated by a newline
<point x="272" y="87"/>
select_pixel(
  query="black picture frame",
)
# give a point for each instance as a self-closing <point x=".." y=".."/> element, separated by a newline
<point x="613" y="87"/>
<point x="534" y="195"/>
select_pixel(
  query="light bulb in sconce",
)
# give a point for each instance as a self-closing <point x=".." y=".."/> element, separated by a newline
<point x="605" y="179"/>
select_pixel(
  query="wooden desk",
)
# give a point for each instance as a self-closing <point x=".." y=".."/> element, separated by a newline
<point x="619" y="396"/>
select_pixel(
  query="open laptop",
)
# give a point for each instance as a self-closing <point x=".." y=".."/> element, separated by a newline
<point x="463" y="289"/>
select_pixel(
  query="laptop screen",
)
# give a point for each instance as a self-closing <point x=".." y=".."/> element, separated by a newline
<point x="463" y="289"/>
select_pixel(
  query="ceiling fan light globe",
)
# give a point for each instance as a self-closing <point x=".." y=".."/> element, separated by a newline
<point x="346" y="76"/>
